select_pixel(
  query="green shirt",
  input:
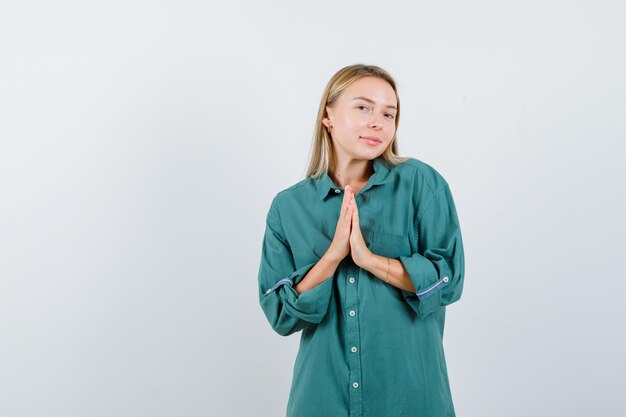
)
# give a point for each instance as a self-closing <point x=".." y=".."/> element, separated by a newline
<point x="367" y="348"/>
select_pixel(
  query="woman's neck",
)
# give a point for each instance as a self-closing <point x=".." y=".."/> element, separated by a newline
<point x="352" y="173"/>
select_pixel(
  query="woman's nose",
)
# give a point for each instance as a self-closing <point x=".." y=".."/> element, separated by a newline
<point x="374" y="122"/>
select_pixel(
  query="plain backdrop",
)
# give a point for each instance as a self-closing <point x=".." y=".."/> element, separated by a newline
<point x="141" y="143"/>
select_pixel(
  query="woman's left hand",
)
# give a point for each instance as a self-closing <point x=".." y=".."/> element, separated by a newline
<point x="358" y="249"/>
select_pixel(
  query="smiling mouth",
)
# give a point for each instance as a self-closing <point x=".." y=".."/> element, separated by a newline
<point x="370" y="140"/>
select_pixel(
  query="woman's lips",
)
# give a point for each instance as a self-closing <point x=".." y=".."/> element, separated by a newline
<point x="370" y="141"/>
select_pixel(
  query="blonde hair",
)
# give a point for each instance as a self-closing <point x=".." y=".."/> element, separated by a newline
<point x="322" y="150"/>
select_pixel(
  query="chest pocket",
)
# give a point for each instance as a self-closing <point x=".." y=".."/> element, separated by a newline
<point x="391" y="245"/>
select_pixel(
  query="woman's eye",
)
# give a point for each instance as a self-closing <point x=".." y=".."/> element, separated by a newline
<point x="388" y="115"/>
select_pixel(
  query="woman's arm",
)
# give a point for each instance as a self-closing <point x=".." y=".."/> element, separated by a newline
<point x="289" y="310"/>
<point x="323" y="269"/>
<point x="392" y="271"/>
<point x="437" y="269"/>
<point x="286" y="310"/>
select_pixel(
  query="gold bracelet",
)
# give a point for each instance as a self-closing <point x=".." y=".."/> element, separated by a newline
<point x="387" y="280"/>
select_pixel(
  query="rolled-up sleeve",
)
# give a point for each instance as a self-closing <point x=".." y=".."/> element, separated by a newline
<point x="437" y="269"/>
<point x="286" y="310"/>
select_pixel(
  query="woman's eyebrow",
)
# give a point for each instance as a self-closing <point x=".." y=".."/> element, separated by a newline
<point x="372" y="101"/>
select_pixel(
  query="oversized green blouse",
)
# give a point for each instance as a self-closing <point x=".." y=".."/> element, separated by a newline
<point x="367" y="348"/>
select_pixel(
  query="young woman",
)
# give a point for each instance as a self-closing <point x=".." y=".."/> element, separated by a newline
<point x="363" y="256"/>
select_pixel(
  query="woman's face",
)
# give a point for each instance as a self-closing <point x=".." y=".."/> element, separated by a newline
<point x="366" y="108"/>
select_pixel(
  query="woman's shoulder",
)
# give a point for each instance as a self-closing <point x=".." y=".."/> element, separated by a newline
<point x="424" y="173"/>
<point x="294" y="192"/>
<point x="299" y="186"/>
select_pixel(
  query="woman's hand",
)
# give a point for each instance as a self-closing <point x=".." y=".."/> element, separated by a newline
<point x="358" y="249"/>
<point x="340" y="246"/>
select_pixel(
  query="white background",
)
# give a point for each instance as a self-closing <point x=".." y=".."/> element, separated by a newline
<point x="141" y="143"/>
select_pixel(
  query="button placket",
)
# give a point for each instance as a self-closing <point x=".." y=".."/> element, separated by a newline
<point x="353" y="341"/>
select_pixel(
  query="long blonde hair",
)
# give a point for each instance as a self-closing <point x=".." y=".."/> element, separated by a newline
<point x="322" y="155"/>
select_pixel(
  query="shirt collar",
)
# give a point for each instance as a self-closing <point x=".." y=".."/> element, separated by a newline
<point x="381" y="175"/>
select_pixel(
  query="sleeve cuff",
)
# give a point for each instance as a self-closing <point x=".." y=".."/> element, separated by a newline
<point x="427" y="282"/>
<point x="310" y="305"/>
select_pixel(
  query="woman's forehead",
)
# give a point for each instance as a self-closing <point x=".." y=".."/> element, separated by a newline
<point x="371" y="89"/>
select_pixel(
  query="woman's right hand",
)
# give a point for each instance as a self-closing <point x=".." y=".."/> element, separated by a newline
<point x="340" y="246"/>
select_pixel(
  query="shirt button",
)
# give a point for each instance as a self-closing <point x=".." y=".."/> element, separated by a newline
<point x="351" y="280"/>
<point x="354" y="349"/>
<point x="355" y="384"/>
<point x="352" y="313"/>
<point x="445" y="279"/>
<point x="337" y="190"/>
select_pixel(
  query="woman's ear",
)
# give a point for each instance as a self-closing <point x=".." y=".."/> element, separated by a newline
<point x="326" y="119"/>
